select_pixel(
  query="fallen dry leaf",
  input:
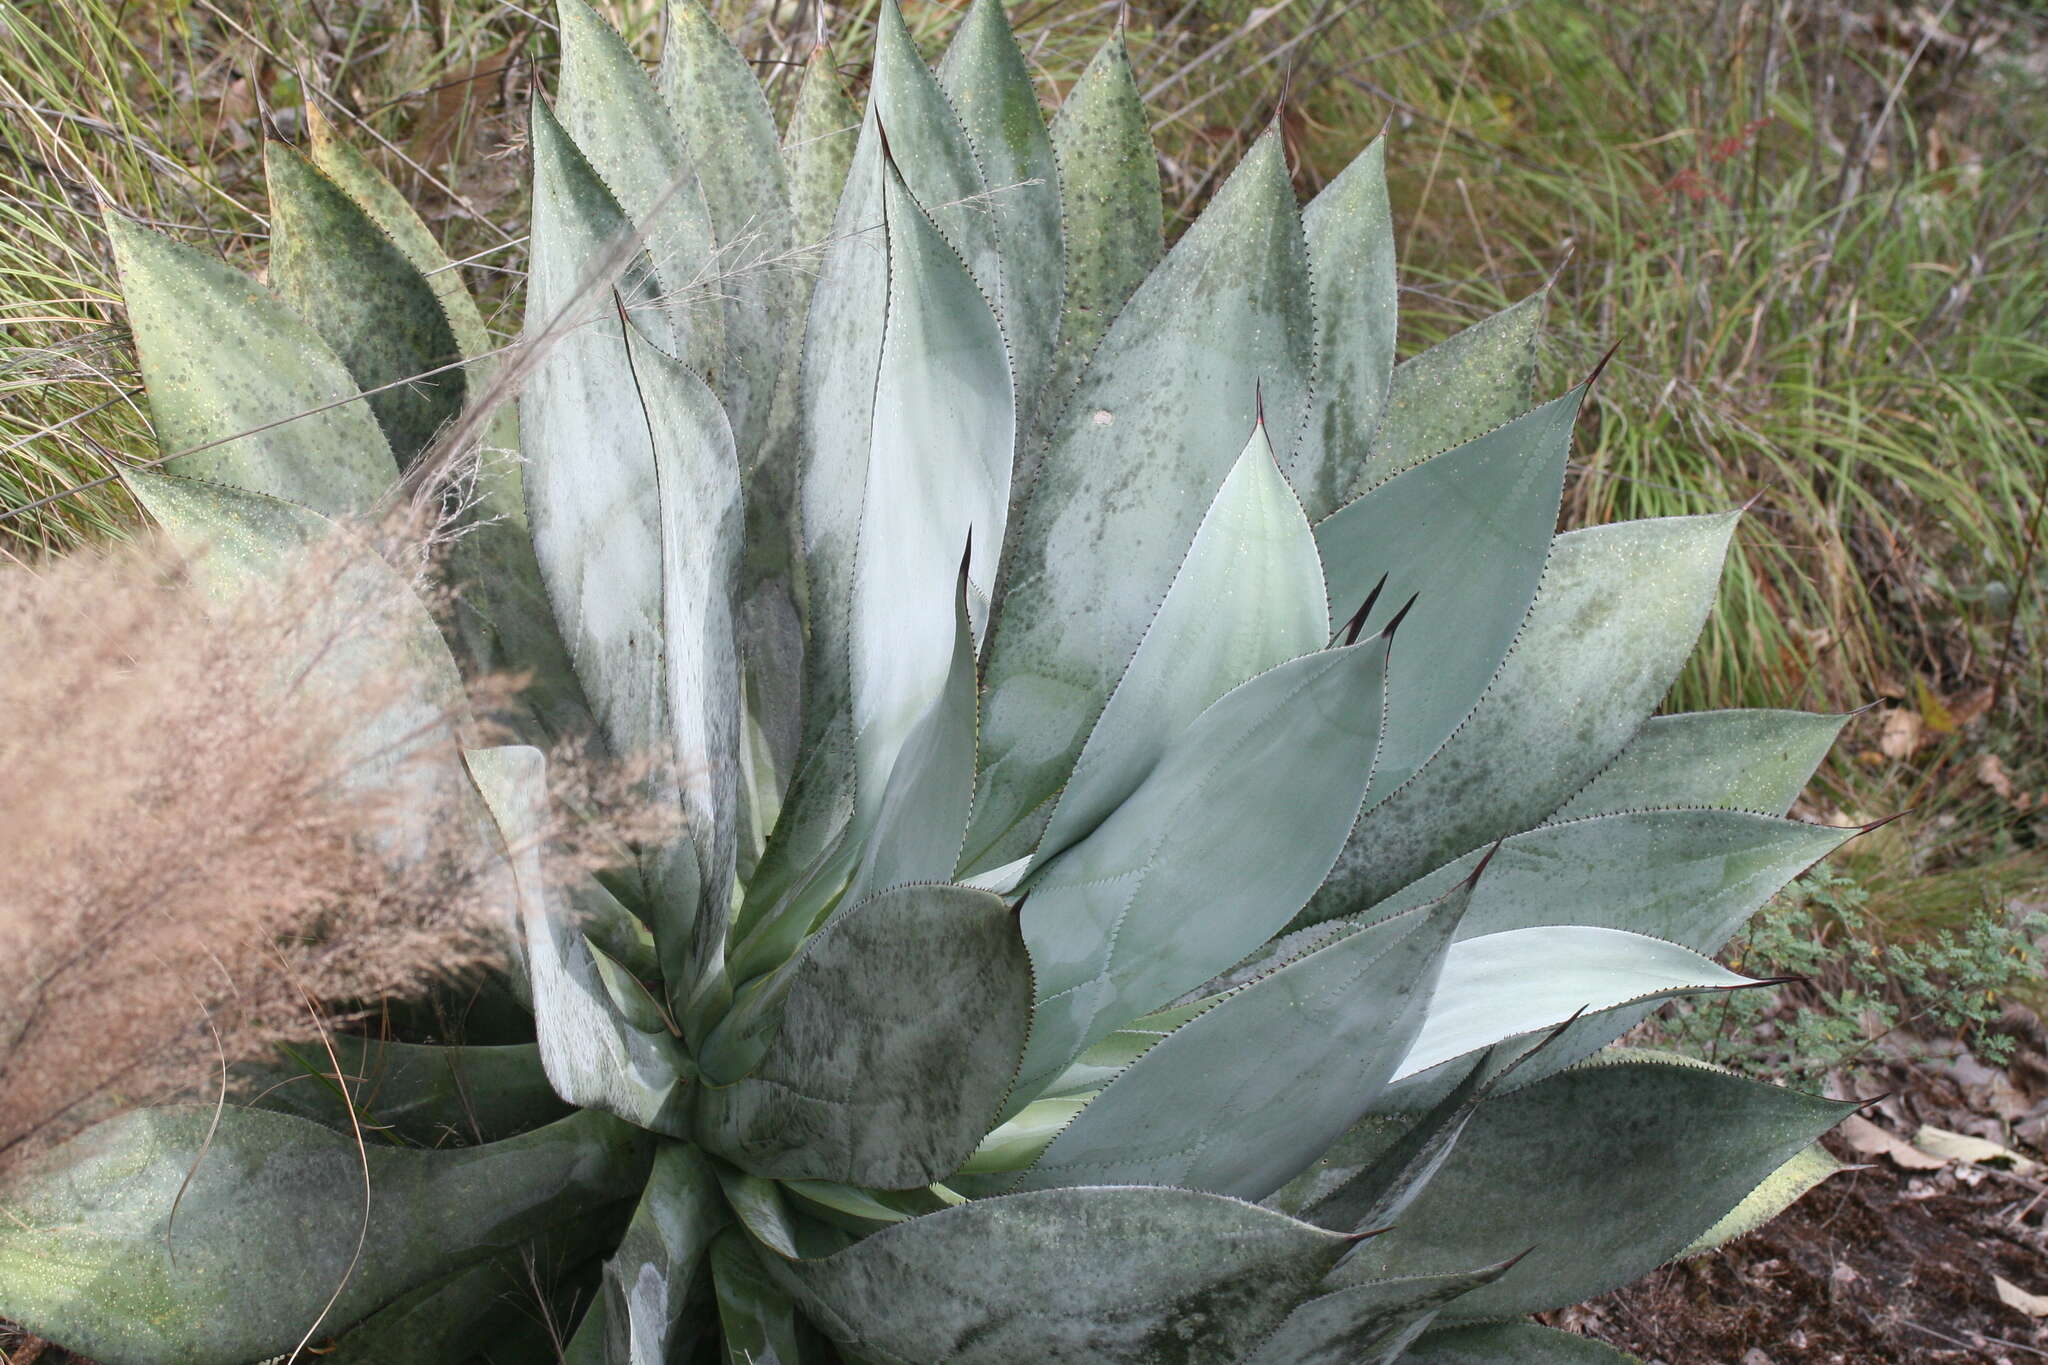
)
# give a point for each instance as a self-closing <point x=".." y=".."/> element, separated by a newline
<point x="1962" y="1147"/>
<point x="2012" y="1296"/>
<point x="1901" y="735"/>
<point x="1871" y="1140"/>
<point x="1991" y="773"/>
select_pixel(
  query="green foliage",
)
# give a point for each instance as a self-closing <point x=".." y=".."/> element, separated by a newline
<point x="1856" y="990"/>
<point x="1220" y="829"/>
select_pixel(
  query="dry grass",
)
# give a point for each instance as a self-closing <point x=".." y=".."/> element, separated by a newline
<point x="201" y="859"/>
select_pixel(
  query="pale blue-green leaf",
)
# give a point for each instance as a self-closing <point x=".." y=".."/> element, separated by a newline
<point x="1617" y="614"/>
<point x="1461" y="388"/>
<point x="412" y="1093"/>
<point x="594" y="1056"/>
<point x="756" y="1315"/>
<point x="1131" y="468"/>
<point x="1366" y="1324"/>
<point x="729" y="133"/>
<point x="925" y="141"/>
<point x="1350" y="231"/>
<point x="1779" y="1191"/>
<point x="1067" y="1277"/>
<point x="334" y="264"/>
<point x="938" y="481"/>
<point x="762" y="1207"/>
<point x="1111" y="206"/>
<point x="1607" y="1171"/>
<point x="922" y="816"/>
<point x="629" y="995"/>
<point x="863" y="1081"/>
<point x="1495" y="500"/>
<point x="983" y="74"/>
<point x="617" y="120"/>
<point x="1241" y="1098"/>
<point x="270" y="1213"/>
<point x="1740" y="760"/>
<point x="648" y="1280"/>
<point x="1225" y="838"/>
<point x="284" y="421"/>
<point x="1248" y="597"/>
<point x="1500" y="986"/>
<point x="1510" y="1343"/>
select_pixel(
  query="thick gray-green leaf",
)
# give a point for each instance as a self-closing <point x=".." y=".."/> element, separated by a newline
<point x="729" y="132"/>
<point x="1133" y="465"/>
<point x="410" y="1093"/>
<point x="1495" y="499"/>
<point x="1078" y="1277"/>
<point x="647" y="1281"/>
<point x="1350" y="233"/>
<point x="1458" y="389"/>
<point x="1779" y="1191"/>
<point x="1345" y="1191"/>
<point x="280" y="423"/>
<point x="922" y="816"/>
<point x="1110" y="201"/>
<point x="983" y="74"/>
<point x="1212" y="853"/>
<point x="594" y="1056"/>
<point x="863" y="1079"/>
<point x="1241" y="1098"/>
<point x="335" y="265"/>
<point x="1500" y="986"/>
<point x="268" y="1225"/>
<point x="756" y="1315"/>
<point x="1510" y="1343"/>
<point x="617" y="120"/>
<point x="1618" y="612"/>
<point x="1607" y="1171"/>
<point x="1248" y="597"/>
<point x="1740" y="760"/>
<point x="1365" y="1324"/>
<point x="938" y="481"/>
<point x="925" y="141"/>
<point x="1690" y="876"/>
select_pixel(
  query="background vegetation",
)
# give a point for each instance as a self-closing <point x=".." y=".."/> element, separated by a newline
<point x="1816" y="231"/>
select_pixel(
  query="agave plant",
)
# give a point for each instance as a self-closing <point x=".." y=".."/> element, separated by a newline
<point x="1168" y="832"/>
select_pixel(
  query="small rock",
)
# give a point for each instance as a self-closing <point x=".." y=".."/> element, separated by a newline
<point x="1755" y="1357"/>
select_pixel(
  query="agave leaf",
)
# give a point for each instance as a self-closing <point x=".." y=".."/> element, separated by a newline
<point x="1242" y="1097"/>
<point x="925" y="140"/>
<point x="983" y="75"/>
<point x="1510" y="1343"/>
<point x="1690" y="876"/>
<point x="269" y="1223"/>
<point x="1133" y="465"/>
<point x="1111" y="204"/>
<point x="729" y="132"/>
<point x="343" y="274"/>
<point x="1779" y="1191"/>
<point x="922" y="816"/>
<point x="756" y="1315"/>
<point x="648" y="1281"/>
<point x="845" y="1075"/>
<point x="1350" y="231"/>
<point x="286" y="427"/>
<point x="1617" y="614"/>
<point x="411" y="1093"/>
<point x="938" y="478"/>
<point x="1231" y="831"/>
<point x="617" y="120"/>
<point x="1501" y="986"/>
<point x="1607" y="1170"/>
<point x="1739" y="760"/>
<point x="1495" y="499"/>
<point x="594" y="1056"/>
<point x="1459" y="389"/>
<point x="1248" y="597"/>
<point x="1366" y="1324"/>
<point x="1103" y="1276"/>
